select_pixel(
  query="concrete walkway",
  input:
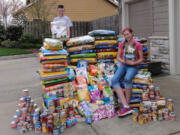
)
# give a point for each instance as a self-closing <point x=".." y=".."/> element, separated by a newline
<point x="18" y="56"/>
<point x="19" y="74"/>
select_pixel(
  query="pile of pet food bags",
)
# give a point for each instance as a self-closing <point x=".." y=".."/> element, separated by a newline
<point x="106" y="45"/>
<point x="75" y="93"/>
<point x="81" y="48"/>
<point x="97" y="46"/>
<point x="80" y="89"/>
<point x="146" y="100"/>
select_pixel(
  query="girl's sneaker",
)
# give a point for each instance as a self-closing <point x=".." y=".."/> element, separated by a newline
<point x="124" y="111"/>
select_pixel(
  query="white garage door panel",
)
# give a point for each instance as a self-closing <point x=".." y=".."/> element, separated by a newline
<point x="140" y="18"/>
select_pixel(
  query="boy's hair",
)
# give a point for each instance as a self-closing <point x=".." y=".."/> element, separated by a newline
<point x="60" y="6"/>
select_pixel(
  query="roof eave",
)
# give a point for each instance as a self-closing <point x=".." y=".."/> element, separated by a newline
<point x="114" y="3"/>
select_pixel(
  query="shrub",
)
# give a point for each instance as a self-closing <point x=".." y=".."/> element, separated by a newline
<point x="9" y="44"/>
<point x="2" y="33"/>
<point x="14" y="32"/>
<point x="29" y="38"/>
<point x="46" y="35"/>
<point x="29" y="45"/>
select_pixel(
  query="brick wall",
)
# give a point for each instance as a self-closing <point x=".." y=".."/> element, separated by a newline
<point x="159" y="51"/>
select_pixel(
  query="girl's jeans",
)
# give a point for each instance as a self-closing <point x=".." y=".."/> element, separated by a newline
<point x="128" y="71"/>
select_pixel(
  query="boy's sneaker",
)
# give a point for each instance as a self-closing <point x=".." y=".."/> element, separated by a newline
<point x="124" y="111"/>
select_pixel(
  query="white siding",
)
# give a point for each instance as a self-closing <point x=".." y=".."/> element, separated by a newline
<point x="160" y="18"/>
<point x="140" y="18"/>
<point x="149" y="18"/>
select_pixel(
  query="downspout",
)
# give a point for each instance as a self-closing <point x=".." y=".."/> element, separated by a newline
<point x="172" y="37"/>
<point x="125" y="14"/>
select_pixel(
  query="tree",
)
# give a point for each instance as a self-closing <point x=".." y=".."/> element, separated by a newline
<point x="19" y="19"/>
<point x="7" y="7"/>
<point x="41" y="12"/>
<point x="0" y="20"/>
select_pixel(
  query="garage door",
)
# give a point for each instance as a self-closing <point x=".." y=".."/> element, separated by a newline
<point x="140" y="18"/>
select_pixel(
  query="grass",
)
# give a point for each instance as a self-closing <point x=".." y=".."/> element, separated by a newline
<point x="12" y="51"/>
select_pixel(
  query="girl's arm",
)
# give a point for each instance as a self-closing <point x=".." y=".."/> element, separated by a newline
<point x="140" y="52"/>
<point x="119" y="56"/>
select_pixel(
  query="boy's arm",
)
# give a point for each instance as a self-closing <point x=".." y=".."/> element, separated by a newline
<point x="69" y="24"/>
<point x="68" y="33"/>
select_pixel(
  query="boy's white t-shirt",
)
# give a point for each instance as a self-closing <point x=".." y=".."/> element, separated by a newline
<point x="59" y="26"/>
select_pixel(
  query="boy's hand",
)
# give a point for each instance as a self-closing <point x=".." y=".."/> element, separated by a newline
<point x="67" y="38"/>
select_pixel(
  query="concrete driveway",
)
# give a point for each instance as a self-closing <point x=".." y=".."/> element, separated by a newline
<point x="19" y="74"/>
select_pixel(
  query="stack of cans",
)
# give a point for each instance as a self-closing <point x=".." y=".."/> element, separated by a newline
<point x="27" y="117"/>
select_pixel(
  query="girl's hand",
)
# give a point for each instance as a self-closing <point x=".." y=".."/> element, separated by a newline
<point x="123" y="62"/>
<point x="130" y="62"/>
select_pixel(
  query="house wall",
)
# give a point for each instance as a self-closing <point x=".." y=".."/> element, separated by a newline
<point x="79" y="10"/>
<point x="160" y="18"/>
<point x="150" y="19"/>
<point x="141" y="18"/>
<point x="159" y="41"/>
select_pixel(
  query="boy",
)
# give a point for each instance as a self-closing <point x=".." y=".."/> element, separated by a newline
<point x="61" y="24"/>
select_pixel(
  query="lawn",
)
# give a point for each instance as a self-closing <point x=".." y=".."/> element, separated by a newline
<point x="12" y="51"/>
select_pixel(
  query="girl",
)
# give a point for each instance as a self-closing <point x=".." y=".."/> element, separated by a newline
<point x="129" y="56"/>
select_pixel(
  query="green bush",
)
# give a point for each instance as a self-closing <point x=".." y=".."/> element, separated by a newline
<point x="9" y="44"/>
<point x="29" y="45"/>
<point x="29" y="38"/>
<point x="46" y="35"/>
<point x="14" y="32"/>
<point x="2" y="34"/>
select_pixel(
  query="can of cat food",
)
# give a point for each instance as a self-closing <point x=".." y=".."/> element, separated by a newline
<point x="15" y="118"/>
<point x="22" y="100"/>
<point x="172" y="116"/>
<point x="25" y="92"/>
<point x="13" y="124"/>
<point x="18" y="112"/>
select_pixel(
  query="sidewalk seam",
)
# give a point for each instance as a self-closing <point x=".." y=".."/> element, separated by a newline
<point x="11" y="57"/>
<point x="174" y="133"/>
<point x="96" y="132"/>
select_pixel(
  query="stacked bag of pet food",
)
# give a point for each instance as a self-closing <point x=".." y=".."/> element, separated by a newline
<point x="144" y="44"/>
<point x="27" y="116"/>
<point x="143" y="78"/>
<point x="59" y="95"/>
<point x="54" y="62"/>
<point x="81" y="48"/>
<point x="105" y="44"/>
<point x="144" y="65"/>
